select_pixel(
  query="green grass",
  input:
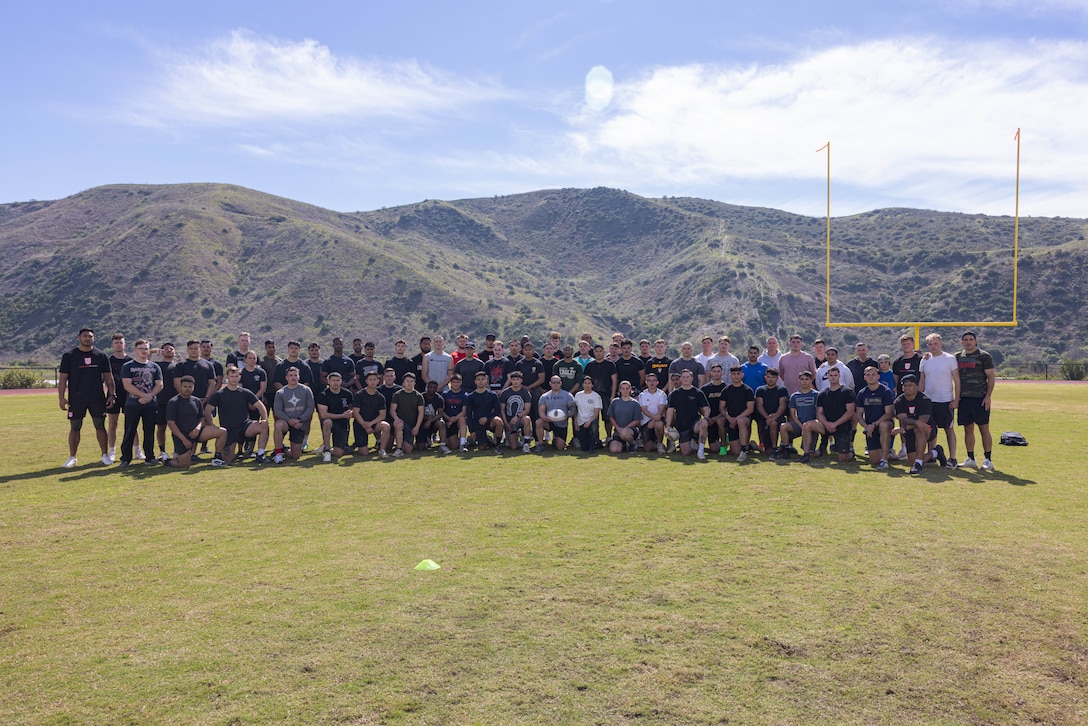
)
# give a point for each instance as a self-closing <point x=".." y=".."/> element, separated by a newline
<point x="573" y="589"/>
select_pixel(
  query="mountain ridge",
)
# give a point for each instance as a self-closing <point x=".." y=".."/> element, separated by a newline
<point x="209" y="260"/>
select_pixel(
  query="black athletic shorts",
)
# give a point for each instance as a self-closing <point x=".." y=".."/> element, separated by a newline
<point x="296" y="436"/>
<point x="118" y="402"/>
<point x="362" y="438"/>
<point x="687" y="434"/>
<point x="972" y="412"/>
<point x="96" y="407"/>
<point x="910" y="437"/>
<point x="842" y="441"/>
<point x="236" y="434"/>
<point x="942" y="415"/>
<point x="339" y="433"/>
<point x="179" y="448"/>
<point x="872" y="443"/>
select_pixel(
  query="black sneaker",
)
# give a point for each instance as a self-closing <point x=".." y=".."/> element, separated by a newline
<point x="806" y="458"/>
<point x="940" y="455"/>
<point x="916" y="468"/>
<point x="786" y="453"/>
<point x="260" y="459"/>
<point x="774" y="453"/>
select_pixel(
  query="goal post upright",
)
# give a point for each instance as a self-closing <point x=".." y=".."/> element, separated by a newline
<point x="917" y="325"/>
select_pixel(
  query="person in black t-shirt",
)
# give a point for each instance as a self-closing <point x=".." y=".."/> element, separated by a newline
<point x="189" y="425"/>
<point x="166" y="365"/>
<point x="835" y="408"/>
<point x="738" y="401"/>
<point x="370" y="408"/>
<point x="335" y="406"/>
<point x="715" y="425"/>
<point x="241" y="414"/>
<point x="453" y="425"/>
<point x="340" y="363"/>
<point x="685" y="419"/>
<point x="497" y="367"/>
<point x="772" y="403"/>
<point x="84" y="371"/>
<point x="400" y="362"/>
<point x="118" y="358"/>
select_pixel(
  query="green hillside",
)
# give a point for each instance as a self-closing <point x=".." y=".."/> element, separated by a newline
<point x="187" y="260"/>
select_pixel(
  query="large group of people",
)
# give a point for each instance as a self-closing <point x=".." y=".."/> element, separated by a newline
<point x="511" y="396"/>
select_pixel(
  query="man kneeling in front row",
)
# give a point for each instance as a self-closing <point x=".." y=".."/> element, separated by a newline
<point x="235" y="404"/>
<point x="189" y="426"/>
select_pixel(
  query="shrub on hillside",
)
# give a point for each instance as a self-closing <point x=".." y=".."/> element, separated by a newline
<point x="20" y="378"/>
<point x="1073" y="370"/>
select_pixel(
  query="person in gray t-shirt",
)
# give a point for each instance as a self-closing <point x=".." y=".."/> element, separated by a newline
<point x="625" y="414"/>
<point x="555" y="408"/>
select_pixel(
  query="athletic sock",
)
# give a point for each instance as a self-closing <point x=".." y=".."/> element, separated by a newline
<point x="970" y="454"/>
<point x="988" y="455"/>
<point x="260" y="452"/>
<point x="702" y="448"/>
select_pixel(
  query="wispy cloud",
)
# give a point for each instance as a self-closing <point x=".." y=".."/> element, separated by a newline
<point x="913" y="117"/>
<point x="245" y="79"/>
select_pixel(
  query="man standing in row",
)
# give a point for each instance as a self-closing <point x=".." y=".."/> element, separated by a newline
<point x="977" y="378"/>
<point x="84" y="370"/>
<point x="142" y="381"/>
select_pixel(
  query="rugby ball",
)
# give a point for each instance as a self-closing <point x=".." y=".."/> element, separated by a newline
<point x="557" y="414"/>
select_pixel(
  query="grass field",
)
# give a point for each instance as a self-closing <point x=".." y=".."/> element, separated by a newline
<point x="573" y="589"/>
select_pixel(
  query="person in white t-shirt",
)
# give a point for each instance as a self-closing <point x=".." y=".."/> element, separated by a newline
<point x="772" y="354"/>
<point x="654" y="402"/>
<point x="940" y="380"/>
<point x="588" y="415"/>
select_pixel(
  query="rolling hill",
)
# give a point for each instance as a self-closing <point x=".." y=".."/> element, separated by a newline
<point x="174" y="261"/>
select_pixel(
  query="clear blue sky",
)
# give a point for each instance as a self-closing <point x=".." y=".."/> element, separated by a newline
<point x="355" y="106"/>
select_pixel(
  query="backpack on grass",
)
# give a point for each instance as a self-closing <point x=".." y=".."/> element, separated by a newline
<point x="1013" y="438"/>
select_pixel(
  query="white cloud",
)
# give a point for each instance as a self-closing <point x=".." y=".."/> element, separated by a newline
<point x="247" y="79"/>
<point x="914" y="119"/>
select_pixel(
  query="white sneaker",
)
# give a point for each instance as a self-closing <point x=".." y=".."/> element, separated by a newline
<point x="742" y="456"/>
<point x="327" y="457"/>
<point x="382" y="453"/>
<point x="70" y="463"/>
<point x="164" y="456"/>
<point x="444" y="449"/>
<point x="968" y="463"/>
<point x="139" y="452"/>
<point x="398" y="453"/>
<point x="700" y="455"/>
<point x="661" y="448"/>
<point x="112" y="454"/>
<point x="987" y="465"/>
<point x="525" y="448"/>
<point x="902" y="453"/>
<point x="107" y="459"/>
<point x="277" y="459"/>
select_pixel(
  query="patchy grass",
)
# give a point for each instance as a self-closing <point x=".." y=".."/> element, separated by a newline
<point x="573" y="589"/>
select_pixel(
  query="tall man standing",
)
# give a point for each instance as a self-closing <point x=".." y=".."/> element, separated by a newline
<point x="84" y="370"/>
<point x="940" y="380"/>
<point x="977" y="378"/>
